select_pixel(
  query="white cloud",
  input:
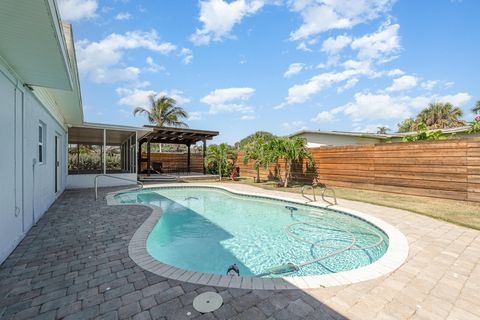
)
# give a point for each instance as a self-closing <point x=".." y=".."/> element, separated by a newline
<point x="403" y="83"/>
<point x="219" y="17"/>
<point x="324" y="15"/>
<point x="395" y="72"/>
<point x="248" y="117"/>
<point x="136" y="97"/>
<point x="153" y="66"/>
<point x="301" y="93"/>
<point x="220" y="96"/>
<point x="228" y="100"/>
<point x="429" y="84"/>
<point x="303" y="47"/>
<point x="381" y="45"/>
<point x="369" y="107"/>
<point x="73" y="10"/>
<point x="123" y="16"/>
<point x="293" y="69"/>
<point x="195" y="115"/>
<point x="294" y="125"/>
<point x="324" y="116"/>
<point x="375" y="107"/>
<point x="100" y="57"/>
<point x="114" y="74"/>
<point x="456" y="99"/>
<point x="334" y="45"/>
<point x="350" y="84"/>
<point x="187" y="55"/>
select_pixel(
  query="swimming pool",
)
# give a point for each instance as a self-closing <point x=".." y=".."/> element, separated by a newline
<point x="206" y="229"/>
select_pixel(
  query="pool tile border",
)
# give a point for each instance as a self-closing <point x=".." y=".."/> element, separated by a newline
<point x="393" y="258"/>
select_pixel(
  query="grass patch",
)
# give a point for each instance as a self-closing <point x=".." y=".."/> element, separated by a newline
<point x="458" y="212"/>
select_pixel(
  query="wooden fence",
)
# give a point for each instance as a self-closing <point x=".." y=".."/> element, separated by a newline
<point x="172" y="160"/>
<point x="447" y="169"/>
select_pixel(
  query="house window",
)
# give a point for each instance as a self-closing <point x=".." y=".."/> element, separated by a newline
<point x="41" y="142"/>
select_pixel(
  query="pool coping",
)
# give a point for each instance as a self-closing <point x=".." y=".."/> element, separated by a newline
<point x="394" y="257"/>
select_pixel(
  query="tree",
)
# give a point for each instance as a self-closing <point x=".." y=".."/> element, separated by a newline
<point x="266" y="136"/>
<point x="164" y="111"/>
<point x="406" y="125"/>
<point x="476" y="108"/>
<point x="219" y="156"/>
<point x="294" y="150"/>
<point x="424" y="133"/>
<point x="275" y="151"/>
<point x="437" y="115"/>
<point x="440" y="115"/>
<point x="383" y="130"/>
<point x="257" y="151"/>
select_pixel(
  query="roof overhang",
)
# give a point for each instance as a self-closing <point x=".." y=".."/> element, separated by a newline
<point x="177" y="135"/>
<point x="342" y="133"/>
<point x="33" y="44"/>
<point x="92" y="133"/>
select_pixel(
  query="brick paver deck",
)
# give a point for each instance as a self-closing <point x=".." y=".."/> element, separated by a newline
<point x="74" y="265"/>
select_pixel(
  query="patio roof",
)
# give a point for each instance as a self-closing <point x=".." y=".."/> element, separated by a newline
<point x="177" y="135"/>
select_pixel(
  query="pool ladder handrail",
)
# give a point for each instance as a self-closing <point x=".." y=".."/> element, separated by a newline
<point x="324" y="189"/>
<point x="313" y="190"/>
<point x="139" y="183"/>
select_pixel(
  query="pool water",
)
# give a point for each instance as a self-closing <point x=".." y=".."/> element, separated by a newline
<point x="207" y="229"/>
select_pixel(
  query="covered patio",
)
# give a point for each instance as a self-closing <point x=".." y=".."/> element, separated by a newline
<point x="170" y="165"/>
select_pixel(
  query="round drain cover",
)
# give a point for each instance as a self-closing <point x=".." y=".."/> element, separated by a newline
<point x="207" y="302"/>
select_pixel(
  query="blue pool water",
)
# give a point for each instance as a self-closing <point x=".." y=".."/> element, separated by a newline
<point x="207" y="229"/>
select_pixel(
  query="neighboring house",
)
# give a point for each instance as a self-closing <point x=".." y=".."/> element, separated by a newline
<point x="337" y="138"/>
<point x="41" y="115"/>
<point x="317" y="138"/>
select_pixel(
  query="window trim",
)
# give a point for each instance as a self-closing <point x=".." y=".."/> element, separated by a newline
<point x="41" y="149"/>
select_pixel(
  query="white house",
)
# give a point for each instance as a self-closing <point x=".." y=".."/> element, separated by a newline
<point x="41" y="115"/>
<point x="317" y="138"/>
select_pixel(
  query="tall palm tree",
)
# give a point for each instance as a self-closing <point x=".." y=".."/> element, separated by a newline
<point x="219" y="155"/>
<point x="295" y="150"/>
<point x="257" y="151"/>
<point x="440" y="115"/>
<point x="476" y="108"/>
<point x="383" y="130"/>
<point x="164" y="111"/>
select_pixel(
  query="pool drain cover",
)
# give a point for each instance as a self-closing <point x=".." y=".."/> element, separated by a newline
<point x="207" y="302"/>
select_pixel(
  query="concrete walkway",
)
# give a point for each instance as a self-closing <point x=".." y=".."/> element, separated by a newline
<point x="74" y="264"/>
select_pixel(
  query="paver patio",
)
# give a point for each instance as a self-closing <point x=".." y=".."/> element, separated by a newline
<point x="74" y="264"/>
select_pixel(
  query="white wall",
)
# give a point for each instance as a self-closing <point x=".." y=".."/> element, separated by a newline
<point x="322" y="139"/>
<point x="26" y="190"/>
<point x="77" y="181"/>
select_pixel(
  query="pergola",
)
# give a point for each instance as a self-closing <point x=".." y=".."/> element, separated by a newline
<point x="184" y="136"/>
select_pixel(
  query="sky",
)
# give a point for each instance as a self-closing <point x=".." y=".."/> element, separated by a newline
<point x="276" y="65"/>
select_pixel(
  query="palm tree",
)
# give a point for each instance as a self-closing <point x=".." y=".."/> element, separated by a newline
<point x="219" y="155"/>
<point x="383" y="130"/>
<point x="406" y="125"/>
<point x="476" y="109"/>
<point x="164" y="111"/>
<point x="294" y="150"/>
<point x="275" y="151"/>
<point x="440" y="115"/>
<point x="257" y="151"/>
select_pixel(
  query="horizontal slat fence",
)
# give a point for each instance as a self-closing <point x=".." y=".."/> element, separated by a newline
<point x="172" y="160"/>
<point x="445" y="169"/>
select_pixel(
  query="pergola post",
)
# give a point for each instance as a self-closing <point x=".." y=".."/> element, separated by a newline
<point x="104" y="151"/>
<point x="149" y="157"/>
<point x="188" y="158"/>
<point x="204" y="152"/>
